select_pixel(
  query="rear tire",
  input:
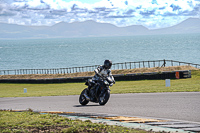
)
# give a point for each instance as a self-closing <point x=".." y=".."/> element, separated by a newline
<point x="82" y="99"/>
<point x="106" y="98"/>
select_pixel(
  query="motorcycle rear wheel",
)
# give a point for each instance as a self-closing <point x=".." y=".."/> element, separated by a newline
<point x="106" y="98"/>
<point x="82" y="99"/>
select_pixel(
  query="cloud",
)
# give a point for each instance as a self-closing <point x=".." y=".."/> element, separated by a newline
<point x="150" y="13"/>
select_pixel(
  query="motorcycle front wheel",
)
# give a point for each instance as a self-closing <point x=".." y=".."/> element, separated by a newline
<point x="82" y="99"/>
<point x="103" y="100"/>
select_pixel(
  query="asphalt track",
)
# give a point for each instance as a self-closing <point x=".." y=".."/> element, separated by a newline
<point x="183" y="106"/>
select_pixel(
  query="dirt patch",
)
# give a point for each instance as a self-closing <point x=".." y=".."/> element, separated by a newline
<point x="82" y="74"/>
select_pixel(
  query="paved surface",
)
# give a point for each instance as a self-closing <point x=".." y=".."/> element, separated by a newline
<point x="179" y="106"/>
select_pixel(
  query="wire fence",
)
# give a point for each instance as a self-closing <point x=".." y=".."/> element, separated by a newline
<point x="115" y="66"/>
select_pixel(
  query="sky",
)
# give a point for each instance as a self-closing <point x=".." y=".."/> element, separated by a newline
<point x="152" y="14"/>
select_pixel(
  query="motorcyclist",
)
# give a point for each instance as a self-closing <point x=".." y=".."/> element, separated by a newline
<point x="101" y="71"/>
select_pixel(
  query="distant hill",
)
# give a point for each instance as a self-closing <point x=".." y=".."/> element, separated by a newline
<point x="191" y="25"/>
<point x="92" y="29"/>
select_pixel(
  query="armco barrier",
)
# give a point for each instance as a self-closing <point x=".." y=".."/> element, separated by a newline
<point x="155" y="75"/>
<point x="121" y="77"/>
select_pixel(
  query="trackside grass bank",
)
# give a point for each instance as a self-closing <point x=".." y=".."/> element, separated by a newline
<point x="143" y="86"/>
<point x="21" y="122"/>
<point x="86" y="74"/>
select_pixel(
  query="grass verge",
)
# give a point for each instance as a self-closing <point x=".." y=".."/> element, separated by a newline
<point x="20" y="122"/>
<point x="142" y="86"/>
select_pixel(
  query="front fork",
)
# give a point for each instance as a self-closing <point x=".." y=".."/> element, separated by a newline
<point x="86" y="94"/>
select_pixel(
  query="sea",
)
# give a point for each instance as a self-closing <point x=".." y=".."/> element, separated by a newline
<point x="78" y="52"/>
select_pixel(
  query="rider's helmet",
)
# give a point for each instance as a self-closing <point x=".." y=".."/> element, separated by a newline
<point x="107" y="64"/>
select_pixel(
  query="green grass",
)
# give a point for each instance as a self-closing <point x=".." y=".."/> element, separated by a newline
<point x="142" y="86"/>
<point x="28" y="121"/>
<point x="17" y="90"/>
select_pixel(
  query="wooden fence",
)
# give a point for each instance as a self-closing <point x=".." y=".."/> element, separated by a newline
<point x="115" y="66"/>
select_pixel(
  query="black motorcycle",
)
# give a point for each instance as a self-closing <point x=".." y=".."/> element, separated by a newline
<point x="98" y="93"/>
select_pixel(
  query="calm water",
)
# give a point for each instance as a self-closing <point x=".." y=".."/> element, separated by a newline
<point x="73" y="52"/>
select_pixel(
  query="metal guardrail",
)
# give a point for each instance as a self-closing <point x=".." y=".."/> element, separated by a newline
<point x="150" y="64"/>
<point x="115" y="66"/>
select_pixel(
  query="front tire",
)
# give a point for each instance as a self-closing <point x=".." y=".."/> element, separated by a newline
<point x="82" y="99"/>
<point x="106" y="96"/>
